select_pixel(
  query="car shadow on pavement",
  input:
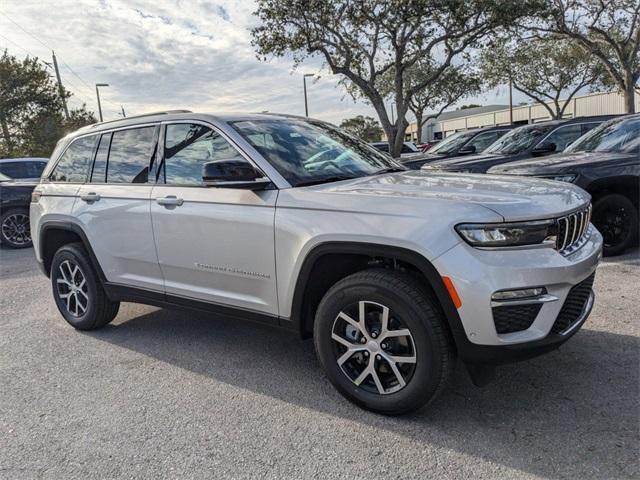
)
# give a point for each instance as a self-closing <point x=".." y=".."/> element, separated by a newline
<point x="573" y="412"/>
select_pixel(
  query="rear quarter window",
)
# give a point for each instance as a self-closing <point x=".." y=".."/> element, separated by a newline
<point x="73" y="166"/>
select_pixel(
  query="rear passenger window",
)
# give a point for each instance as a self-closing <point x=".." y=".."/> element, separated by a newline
<point x="130" y="155"/>
<point x="99" y="174"/>
<point x="73" y="166"/>
<point x="188" y="147"/>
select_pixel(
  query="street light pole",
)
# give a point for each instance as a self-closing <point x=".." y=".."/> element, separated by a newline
<point x="98" y="97"/>
<point x="304" y="84"/>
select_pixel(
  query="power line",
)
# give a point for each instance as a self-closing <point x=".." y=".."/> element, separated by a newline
<point x="25" y="31"/>
<point x="62" y="61"/>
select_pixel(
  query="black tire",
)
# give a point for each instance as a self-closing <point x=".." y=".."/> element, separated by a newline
<point x="93" y="308"/>
<point x="616" y="218"/>
<point x="15" y="231"/>
<point x="411" y="307"/>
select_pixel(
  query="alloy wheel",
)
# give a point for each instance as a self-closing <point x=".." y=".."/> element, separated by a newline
<point x="613" y="223"/>
<point x="373" y="347"/>
<point x="16" y="229"/>
<point x="72" y="288"/>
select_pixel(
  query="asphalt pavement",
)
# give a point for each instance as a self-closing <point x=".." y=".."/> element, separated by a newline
<point x="177" y="394"/>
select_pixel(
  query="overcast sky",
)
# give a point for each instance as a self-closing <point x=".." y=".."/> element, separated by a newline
<point x="172" y="54"/>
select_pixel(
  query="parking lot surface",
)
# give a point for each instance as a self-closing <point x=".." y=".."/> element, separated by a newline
<point x="177" y="394"/>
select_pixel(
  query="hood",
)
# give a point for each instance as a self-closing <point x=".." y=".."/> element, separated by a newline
<point x="468" y="163"/>
<point x="512" y="198"/>
<point x="566" y="163"/>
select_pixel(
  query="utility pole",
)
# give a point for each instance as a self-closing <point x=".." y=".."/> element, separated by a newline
<point x="304" y="85"/>
<point x="60" y="89"/>
<point x="123" y="114"/>
<point x="98" y="97"/>
<point x="510" y="101"/>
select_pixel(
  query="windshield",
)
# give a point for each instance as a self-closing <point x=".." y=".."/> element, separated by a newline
<point x="306" y="152"/>
<point x="519" y="140"/>
<point x="451" y="143"/>
<point x="619" y="135"/>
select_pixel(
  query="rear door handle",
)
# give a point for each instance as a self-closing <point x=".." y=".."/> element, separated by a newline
<point x="170" y="201"/>
<point x="90" y="197"/>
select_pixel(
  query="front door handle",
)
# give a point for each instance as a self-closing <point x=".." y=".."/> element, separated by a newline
<point x="170" y="201"/>
<point x="90" y="197"/>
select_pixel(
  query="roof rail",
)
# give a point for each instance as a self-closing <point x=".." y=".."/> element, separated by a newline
<point x="150" y="114"/>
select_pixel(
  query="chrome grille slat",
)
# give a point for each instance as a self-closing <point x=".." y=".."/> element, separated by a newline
<point x="571" y="230"/>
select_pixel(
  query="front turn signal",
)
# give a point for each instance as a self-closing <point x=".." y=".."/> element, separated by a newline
<point x="455" y="298"/>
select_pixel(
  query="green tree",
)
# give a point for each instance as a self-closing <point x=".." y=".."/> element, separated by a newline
<point x="608" y="30"/>
<point x="470" y="105"/>
<point x="366" y="128"/>
<point x="362" y="40"/>
<point x="31" y="118"/>
<point x="550" y="69"/>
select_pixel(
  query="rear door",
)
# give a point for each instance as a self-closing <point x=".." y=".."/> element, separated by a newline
<point x="114" y="207"/>
<point x="214" y="244"/>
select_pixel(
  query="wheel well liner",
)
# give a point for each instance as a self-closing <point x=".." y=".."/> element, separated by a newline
<point x="54" y="234"/>
<point x="302" y="308"/>
<point x="627" y="185"/>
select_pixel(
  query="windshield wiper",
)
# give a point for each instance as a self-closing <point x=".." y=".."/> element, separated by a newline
<point x="389" y="170"/>
<point x="317" y="181"/>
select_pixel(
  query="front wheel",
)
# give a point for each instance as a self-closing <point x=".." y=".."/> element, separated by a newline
<point x="78" y="291"/>
<point x="616" y="218"/>
<point x="382" y="341"/>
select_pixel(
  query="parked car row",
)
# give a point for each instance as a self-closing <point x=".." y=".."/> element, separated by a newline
<point x="599" y="154"/>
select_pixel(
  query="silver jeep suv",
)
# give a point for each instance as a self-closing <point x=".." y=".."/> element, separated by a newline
<point x="293" y="222"/>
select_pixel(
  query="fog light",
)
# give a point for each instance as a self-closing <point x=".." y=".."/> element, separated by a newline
<point x="519" y="293"/>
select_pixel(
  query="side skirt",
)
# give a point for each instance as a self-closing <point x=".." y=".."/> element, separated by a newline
<point x="124" y="293"/>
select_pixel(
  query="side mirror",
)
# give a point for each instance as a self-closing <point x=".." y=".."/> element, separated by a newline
<point x="544" y="148"/>
<point x="233" y="173"/>
<point x="467" y="150"/>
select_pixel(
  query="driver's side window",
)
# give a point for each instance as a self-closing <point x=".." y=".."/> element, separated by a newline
<point x="187" y="147"/>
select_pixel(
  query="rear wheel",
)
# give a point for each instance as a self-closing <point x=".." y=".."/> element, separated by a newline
<point x="382" y="341"/>
<point x="616" y="217"/>
<point x="15" y="231"/>
<point x="77" y="290"/>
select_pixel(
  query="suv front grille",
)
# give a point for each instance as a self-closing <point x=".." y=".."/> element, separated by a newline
<point x="573" y="305"/>
<point x="571" y="230"/>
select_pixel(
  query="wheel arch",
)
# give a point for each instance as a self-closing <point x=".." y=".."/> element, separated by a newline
<point x="350" y="257"/>
<point x="55" y="234"/>
<point x="627" y="185"/>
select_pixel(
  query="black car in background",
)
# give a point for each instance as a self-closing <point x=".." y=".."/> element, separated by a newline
<point x="460" y="143"/>
<point x="15" y="197"/>
<point x="28" y="169"/>
<point x="536" y="140"/>
<point x="606" y="163"/>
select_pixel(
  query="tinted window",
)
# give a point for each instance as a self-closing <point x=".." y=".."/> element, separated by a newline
<point x="483" y="140"/>
<point x="613" y="136"/>
<point x="519" y="139"/>
<point x="407" y="149"/>
<point x="29" y="169"/>
<point x="130" y="155"/>
<point x="451" y="143"/>
<point x="188" y="147"/>
<point x="308" y="152"/>
<point x="73" y="166"/>
<point x="383" y="147"/>
<point x="563" y="136"/>
<point x="99" y="174"/>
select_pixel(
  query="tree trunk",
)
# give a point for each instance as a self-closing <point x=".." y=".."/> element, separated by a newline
<point x="7" y="135"/>
<point x="629" y="96"/>
<point x="418" y="126"/>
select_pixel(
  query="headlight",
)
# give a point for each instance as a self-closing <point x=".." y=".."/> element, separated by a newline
<point x="539" y="232"/>
<point x="567" y="177"/>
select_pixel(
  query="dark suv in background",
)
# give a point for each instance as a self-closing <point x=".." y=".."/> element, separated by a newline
<point x="606" y="163"/>
<point x="460" y="143"/>
<point x="534" y="140"/>
<point x="26" y="169"/>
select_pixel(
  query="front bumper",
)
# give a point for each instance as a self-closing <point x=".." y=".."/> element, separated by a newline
<point x="478" y="274"/>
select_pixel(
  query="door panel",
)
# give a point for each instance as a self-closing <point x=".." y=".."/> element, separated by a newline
<point x="117" y="221"/>
<point x="217" y="244"/>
